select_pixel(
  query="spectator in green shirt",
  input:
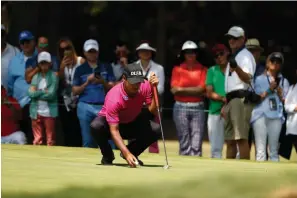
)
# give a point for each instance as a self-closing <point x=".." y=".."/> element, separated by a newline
<point x="215" y="91"/>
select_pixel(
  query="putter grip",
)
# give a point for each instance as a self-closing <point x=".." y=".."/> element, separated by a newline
<point x="156" y="96"/>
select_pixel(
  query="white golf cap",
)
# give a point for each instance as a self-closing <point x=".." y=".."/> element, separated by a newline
<point x="3" y="27"/>
<point x="145" y="46"/>
<point x="44" y="56"/>
<point x="189" y="45"/>
<point x="236" y="32"/>
<point x="91" y="44"/>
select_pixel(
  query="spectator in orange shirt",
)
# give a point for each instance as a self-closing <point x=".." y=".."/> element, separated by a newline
<point x="188" y="88"/>
<point x="11" y="115"/>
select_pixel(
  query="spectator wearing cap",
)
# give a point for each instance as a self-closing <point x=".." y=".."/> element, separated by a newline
<point x="188" y="88"/>
<point x="268" y="116"/>
<point x="91" y="82"/>
<point x="146" y="54"/>
<point x="70" y="61"/>
<point x="31" y="63"/>
<point x="253" y="45"/>
<point x="237" y="111"/>
<point x="121" y="60"/>
<point x="7" y="53"/>
<point x="11" y="113"/>
<point x="17" y="85"/>
<point x="44" y="104"/>
<point x="215" y="91"/>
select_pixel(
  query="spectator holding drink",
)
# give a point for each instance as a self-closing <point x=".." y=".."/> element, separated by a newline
<point x="44" y="104"/>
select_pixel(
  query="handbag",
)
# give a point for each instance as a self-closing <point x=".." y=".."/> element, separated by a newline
<point x="252" y="96"/>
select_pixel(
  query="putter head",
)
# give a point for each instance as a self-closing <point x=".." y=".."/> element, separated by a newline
<point x="166" y="167"/>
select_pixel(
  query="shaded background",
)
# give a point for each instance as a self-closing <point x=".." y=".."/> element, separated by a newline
<point x="165" y="24"/>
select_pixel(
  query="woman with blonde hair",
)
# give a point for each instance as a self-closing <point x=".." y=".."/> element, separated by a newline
<point x="69" y="63"/>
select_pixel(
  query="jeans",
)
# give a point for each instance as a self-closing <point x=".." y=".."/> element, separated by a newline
<point x="86" y="114"/>
<point x="267" y="128"/>
<point x="189" y="122"/>
<point x="215" y="125"/>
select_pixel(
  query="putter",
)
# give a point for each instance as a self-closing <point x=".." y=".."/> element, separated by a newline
<point x="156" y="96"/>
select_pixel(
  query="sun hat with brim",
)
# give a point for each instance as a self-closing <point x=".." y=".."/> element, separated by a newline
<point x="44" y="57"/>
<point x="133" y="73"/>
<point x="145" y="46"/>
<point x="253" y="44"/>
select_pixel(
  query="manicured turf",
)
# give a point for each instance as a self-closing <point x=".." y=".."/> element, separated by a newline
<point x="40" y="171"/>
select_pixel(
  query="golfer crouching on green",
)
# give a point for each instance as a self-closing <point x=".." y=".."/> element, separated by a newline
<point x="121" y="117"/>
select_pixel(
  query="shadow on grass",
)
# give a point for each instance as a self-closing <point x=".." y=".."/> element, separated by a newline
<point x="126" y="165"/>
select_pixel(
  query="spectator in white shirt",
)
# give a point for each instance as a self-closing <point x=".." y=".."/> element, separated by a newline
<point x="7" y="53"/>
<point x="146" y="54"/>
<point x="237" y="112"/>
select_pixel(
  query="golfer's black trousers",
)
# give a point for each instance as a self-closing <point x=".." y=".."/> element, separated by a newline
<point x="142" y="130"/>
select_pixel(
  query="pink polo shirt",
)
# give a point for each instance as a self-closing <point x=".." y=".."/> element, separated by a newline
<point x="120" y="108"/>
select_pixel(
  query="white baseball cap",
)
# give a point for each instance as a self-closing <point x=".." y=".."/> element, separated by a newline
<point x="91" y="44"/>
<point x="189" y="45"/>
<point x="44" y="56"/>
<point x="235" y="31"/>
<point x="145" y="46"/>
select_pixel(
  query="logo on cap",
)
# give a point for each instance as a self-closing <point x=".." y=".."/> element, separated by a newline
<point x="135" y="73"/>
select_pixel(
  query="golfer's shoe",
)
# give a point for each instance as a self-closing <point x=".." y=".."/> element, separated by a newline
<point x="139" y="161"/>
<point x="106" y="161"/>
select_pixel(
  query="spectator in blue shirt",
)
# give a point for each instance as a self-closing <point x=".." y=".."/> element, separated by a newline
<point x="91" y="82"/>
<point x="17" y="85"/>
<point x="31" y="64"/>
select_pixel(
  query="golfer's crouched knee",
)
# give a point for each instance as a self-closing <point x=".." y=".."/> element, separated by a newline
<point x="98" y="128"/>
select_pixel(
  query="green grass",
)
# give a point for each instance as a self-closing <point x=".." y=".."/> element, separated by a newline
<point x="40" y="171"/>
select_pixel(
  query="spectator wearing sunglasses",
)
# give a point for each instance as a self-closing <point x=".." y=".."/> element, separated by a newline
<point x="92" y="80"/>
<point x="31" y="63"/>
<point x="17" y="85"/>
<point x="7" y="53"/>
<point x="237" y="112"/>
<point x="268" y="116"/>
<point x="70" y="61"/>
<point x="188" y="88"/>
<point x="215" y="91"/>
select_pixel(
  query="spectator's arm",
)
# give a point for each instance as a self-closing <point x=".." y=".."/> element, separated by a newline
<point x="30" y="72"/>
<point x="52" y="90"/>
<point x="77" y="87"/>
<point x="11" y="79"/>
<point x="33" y="92"/>
<point x="245" y="70"/>
<point x="209" y="87"/>
<point x="161" y="77"/>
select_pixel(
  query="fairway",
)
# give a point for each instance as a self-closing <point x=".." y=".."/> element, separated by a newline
<point x="40" y="171"/>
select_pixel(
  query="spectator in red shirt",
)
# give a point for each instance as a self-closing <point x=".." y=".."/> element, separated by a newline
<point x="188" y="88"/>
<point x="11" y="115"/>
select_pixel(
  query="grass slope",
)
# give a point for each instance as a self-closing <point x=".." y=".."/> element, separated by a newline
<point x="40" y="171"/>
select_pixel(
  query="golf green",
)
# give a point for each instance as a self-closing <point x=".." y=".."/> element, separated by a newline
<point x="41" y="171"/>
